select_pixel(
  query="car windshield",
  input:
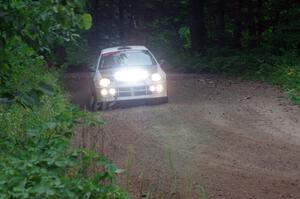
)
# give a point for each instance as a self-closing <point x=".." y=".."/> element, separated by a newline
<point x="126" y="58"/>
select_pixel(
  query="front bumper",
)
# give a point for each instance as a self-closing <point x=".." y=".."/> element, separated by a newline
<point x="132" y="92"/>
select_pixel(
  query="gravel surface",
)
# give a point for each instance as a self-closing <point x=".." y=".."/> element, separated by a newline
<point x="218" y="137"/>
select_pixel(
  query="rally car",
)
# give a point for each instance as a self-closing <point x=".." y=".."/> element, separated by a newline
<point x="127" y="73"/>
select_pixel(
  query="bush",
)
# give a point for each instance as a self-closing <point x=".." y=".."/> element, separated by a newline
<point x="36" y="159"/>
<point x="280" y="69"/>
<point x="37" y="122"/>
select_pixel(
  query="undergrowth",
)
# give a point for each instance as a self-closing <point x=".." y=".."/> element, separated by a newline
<point x="276" y="60"/>
<point x="37" y="122"/>
<point x="281" y="69"/>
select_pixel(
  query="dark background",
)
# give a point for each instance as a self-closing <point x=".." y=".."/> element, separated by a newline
<point x="196" y="26"/>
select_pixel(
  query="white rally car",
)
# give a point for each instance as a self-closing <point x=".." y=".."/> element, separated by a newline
<point x="127" y="73"/>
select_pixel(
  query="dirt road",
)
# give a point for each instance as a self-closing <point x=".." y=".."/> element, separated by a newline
<point x="219" y="137"/>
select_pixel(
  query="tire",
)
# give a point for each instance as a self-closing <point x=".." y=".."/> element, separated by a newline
<point x="103" y="106"/>
<point x="93" y="100"/>
<point x="93" y="105"/>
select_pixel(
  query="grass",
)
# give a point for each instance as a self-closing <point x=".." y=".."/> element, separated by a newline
<point x="201" y="193"/>
<point x="129" y="164"/>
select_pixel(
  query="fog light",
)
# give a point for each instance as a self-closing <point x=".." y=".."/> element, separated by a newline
<point x="112" y="91"/>
<point x="104" y="92"/>
<point x="159" y="88"/>
<point x="152" y="88"/>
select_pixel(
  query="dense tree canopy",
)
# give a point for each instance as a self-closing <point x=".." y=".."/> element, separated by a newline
<point x="238" y="24"/>
<point x="256" y="39"/>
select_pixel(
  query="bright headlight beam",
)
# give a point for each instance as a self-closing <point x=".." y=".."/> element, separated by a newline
<point x="104" y="92"/>
<point x="156" y="77"/>
<point x="152" y="88"/>
<point x="104" y="82"/>
<point x="112" y="91"/>
<point x="131" y="75"/>
<point x="159" y="88"/>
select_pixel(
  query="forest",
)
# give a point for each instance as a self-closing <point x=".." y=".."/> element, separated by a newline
<point x="39" y="40"/>
<point x="253" y="39"/>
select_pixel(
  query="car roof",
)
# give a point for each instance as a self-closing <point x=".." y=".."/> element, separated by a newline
<point x="118" y="48"/>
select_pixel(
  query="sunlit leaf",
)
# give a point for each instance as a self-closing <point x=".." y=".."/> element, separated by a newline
<point x="86" y="21"/>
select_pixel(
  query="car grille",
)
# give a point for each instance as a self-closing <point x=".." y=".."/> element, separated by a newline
<point x="133" y="91"/>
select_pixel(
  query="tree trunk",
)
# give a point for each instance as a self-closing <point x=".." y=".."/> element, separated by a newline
<point x="122" y="21"/>
<point x="221" y="22"/>
<point x="260" y="28"/>
<point x="197" y="24"/>
<point x="251" y="24"/>
<point x="94" y="6"/>
<point x="237" y="35"/>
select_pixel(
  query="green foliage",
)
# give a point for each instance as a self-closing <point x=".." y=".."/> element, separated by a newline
<point x="277" y="61"/>
<point x="86" y="21"/>
<point x="79" y="55"/>
<point x="17" y="58"/>
<point x="37" y="122"/>
<point x="162" y="43"/>
<point x="284" y="35"/>
<point x="36" y="160"/>
<point x="282" y="69"/>
<point x="185" y="34"/>
<point x="42" y="24"/>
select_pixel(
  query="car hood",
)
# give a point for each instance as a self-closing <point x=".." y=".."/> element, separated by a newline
<point x="109" y="73"/>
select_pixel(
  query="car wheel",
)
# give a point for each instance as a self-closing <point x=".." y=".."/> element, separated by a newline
<point x="103" y="106"/>
<point x="93" y="105"/>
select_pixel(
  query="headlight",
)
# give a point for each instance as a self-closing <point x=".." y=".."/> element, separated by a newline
<point x="159" y="88"/>
<point x="152" y="88"/>
<point x="104" y="82"/>
<point x="112" y="91"/>
<point x="156" y="77"/>
<point x="104" y="92"/>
